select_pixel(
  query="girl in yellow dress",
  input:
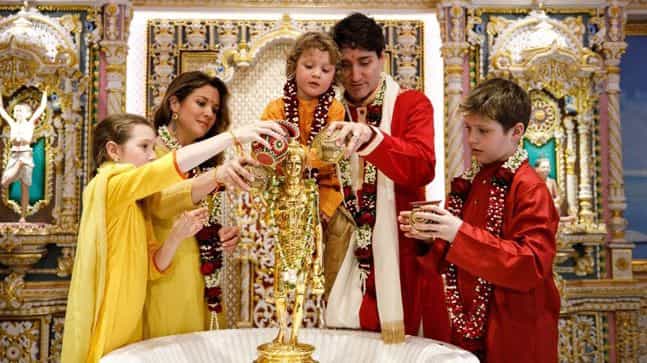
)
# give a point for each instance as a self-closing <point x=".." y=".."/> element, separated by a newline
<point x="193" y="108"/>
<point x="112" y="267"/>
<point x="309" y="102"/>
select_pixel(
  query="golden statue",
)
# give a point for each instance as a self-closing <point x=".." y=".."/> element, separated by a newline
<point x="293" y="208"/>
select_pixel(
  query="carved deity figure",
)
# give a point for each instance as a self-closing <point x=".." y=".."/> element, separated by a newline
<point x="542" y="167"/>
<point x="293" y="206"/>
<point x="21" y="161"/>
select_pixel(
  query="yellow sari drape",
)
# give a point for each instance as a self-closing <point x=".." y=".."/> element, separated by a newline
<point x="111" y="266"/>
<point x="175" y="303"/>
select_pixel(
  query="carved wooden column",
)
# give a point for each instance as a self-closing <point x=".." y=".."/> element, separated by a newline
<point x="571" y="158"/>
<point x="116" y="16"/>
<point x="613" y="48"/>
<point x="452" y="16"/>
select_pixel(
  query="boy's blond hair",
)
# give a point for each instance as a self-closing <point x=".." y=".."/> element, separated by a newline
<point x="314" y="40"/>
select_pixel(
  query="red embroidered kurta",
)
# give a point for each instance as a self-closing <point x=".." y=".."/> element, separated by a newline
<point x="524" y="305"/>
<point x="406" y="157"/>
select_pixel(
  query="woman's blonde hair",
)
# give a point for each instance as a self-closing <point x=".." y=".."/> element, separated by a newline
<point x="115" y="128"/>
<point x="314" y="40"/>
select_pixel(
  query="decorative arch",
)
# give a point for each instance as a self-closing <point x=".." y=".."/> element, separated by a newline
<point x="548" y="58"/>
<point x="39" y="54"/>
<point x="223" y="47"/>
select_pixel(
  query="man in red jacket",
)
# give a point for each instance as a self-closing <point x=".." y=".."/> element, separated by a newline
<point x="493" y="246"/>
<point x="391" y="159"/>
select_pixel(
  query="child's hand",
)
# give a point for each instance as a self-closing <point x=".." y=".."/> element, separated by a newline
<point x="233" y="173"/>
<point x="405" y="226"/>
<point x="189" y="223"/>
<point x="229" y="237"/>
<point x="438" y="223"/>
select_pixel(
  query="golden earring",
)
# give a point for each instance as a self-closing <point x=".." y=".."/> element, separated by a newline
<point x="175" y="116"/>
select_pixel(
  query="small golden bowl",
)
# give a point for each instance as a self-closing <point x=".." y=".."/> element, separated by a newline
<point x="417" y="208"/>
<point x="326" y="148"/>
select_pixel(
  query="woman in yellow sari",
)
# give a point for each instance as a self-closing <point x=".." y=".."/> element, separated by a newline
<point x="193" y="108"/>
<point x="111" y="266"/>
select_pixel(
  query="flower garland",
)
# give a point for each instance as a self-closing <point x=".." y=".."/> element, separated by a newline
<point x="472" y="325"/>
<point x="291" y="108"/>
<point x="211" y="259"/>
<point x="363" y="205"/>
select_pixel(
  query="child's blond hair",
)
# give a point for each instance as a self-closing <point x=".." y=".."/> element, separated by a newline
<point x="314" y="40"/>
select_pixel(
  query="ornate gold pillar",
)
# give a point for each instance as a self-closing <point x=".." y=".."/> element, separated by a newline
<point x="585" y="194"/>
<point x="116" y="16"/>
<point x="613" y="48"/>
<point x="571" y="157"/>
<point x="452" y="16"/>
<point x="70" y="150"/>
<point x="628" y="331"/>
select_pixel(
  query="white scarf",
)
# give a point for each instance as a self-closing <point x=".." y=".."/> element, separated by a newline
<point x="346" y="294"/>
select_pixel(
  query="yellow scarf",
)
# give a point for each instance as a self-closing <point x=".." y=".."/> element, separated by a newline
<point x="89" y="274"/>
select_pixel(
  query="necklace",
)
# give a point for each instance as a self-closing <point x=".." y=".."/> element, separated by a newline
<point x="211" y="259"/>
<point x="291" y="108"/>
<point x="472" y="325"/>
<point x="363" y="204"/>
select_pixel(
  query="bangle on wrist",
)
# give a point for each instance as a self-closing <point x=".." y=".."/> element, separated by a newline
<point x="215" y="178"/>
<point x="237" y="144"/>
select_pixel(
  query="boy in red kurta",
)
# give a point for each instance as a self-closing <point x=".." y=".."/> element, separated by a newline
<point x="493" y="247"/>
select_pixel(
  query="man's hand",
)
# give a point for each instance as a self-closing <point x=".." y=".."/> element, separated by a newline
<point x="357" y="133"/>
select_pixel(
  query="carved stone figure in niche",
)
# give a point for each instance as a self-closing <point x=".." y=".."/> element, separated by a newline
<point x="542" y="167"/>
<point x="570" y="106"/>
<point x="21" y="162"/>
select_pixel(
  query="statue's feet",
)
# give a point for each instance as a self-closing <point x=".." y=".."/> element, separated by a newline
<point x="22" y="220"/>
<point x="279" y="339"/>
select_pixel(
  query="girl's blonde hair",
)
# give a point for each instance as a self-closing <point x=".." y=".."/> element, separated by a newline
<point x="314" y="40"/>
<point x="115" y="128"/>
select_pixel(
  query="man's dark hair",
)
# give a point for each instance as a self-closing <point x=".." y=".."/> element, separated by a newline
<point x="358" y="31"/>
<point x="500" y="100"/>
